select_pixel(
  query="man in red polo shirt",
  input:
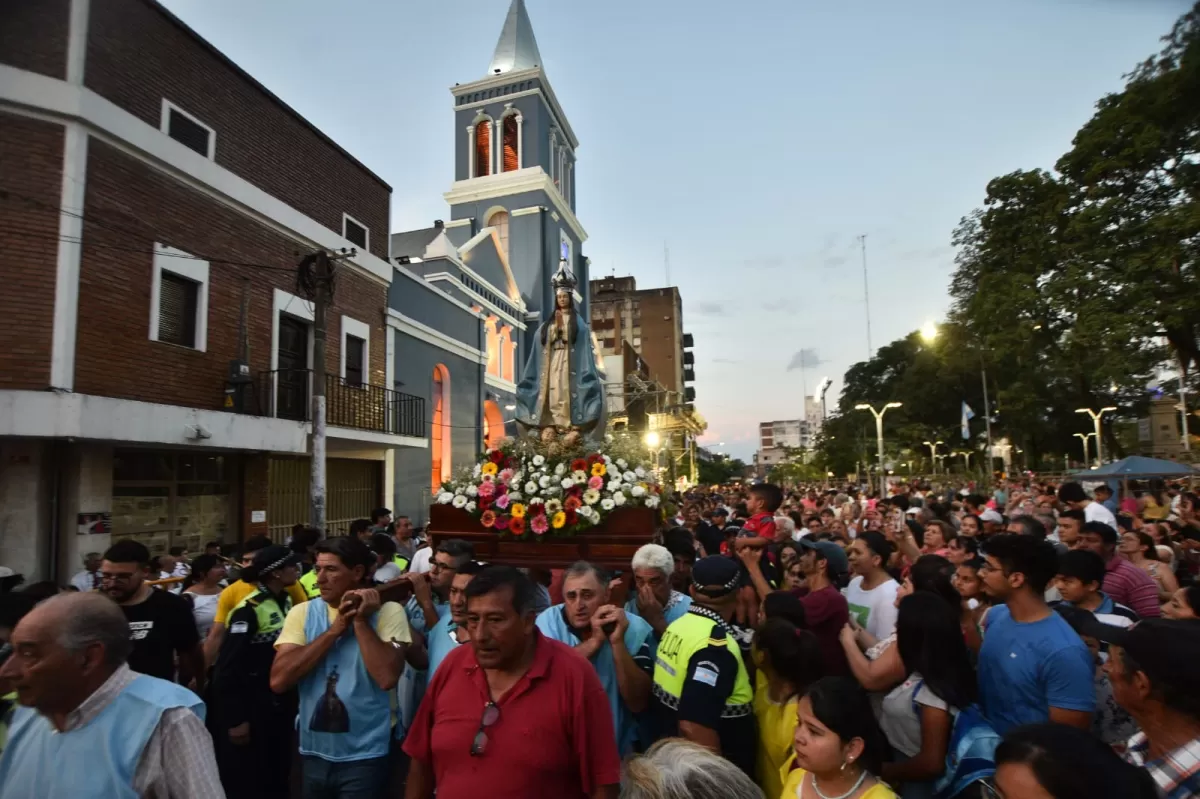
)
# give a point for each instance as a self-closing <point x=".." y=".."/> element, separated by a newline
<point x="515" y="714"/>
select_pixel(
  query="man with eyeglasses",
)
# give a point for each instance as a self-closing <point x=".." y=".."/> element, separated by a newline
<point x="516" y="713"/>
<point x="161" y="624"/>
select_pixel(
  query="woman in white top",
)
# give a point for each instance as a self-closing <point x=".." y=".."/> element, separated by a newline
<point x="872" y="594"/>
<point x="918" y="715"/>
<point x="207" y="578"/>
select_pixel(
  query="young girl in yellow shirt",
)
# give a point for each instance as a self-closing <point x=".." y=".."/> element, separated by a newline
<point x="789" y="660"/>
<point x="838" y="745"/>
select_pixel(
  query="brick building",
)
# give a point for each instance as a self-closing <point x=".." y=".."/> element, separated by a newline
<point x="147" y="186"/>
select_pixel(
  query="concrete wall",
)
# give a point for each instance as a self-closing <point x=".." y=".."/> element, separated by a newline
<point x="425" y="304"/>
<point x="415" y="361"/>
<point x="24" y="508"/>
<point x="86" y="487"/>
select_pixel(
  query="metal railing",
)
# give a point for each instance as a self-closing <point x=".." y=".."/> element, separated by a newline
<point x="287" y="394"/>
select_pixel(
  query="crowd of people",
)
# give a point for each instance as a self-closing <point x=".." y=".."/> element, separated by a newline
<point x="1037" y="641"/>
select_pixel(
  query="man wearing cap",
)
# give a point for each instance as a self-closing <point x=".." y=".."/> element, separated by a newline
<point x="1152" y="667"/>
<point x="826" y="611"/>
<point x="253" y="730"/>
<point x="991" y="521"/>
<point x="701" y="686"/>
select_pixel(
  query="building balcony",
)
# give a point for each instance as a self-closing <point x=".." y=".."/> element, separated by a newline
<point x="287" y="394"/>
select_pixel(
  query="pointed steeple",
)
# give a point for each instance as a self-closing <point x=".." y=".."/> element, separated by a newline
<point x="517" y="48"/>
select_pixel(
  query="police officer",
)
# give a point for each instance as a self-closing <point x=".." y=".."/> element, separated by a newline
<point x="701" y="686"/>
<point x="253" y="726"/>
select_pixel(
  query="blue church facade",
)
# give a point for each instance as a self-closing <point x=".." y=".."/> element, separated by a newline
<point x="470" y="291"/>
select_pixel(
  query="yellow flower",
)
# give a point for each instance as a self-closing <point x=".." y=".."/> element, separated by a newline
<point x="490" y="468"/>
<point x="599" y="469"/>
<point x="559" y="520"/>
<point x="517" y="510"/>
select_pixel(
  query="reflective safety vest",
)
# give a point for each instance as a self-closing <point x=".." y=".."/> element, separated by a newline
<point x="693" y="631"/>
<point x="309" y="583"/>
<point x="8" y="704"/>
<point x="401" y="562"/>
<point x="267" y="613"/>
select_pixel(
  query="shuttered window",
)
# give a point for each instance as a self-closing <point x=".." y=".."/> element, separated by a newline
<point x="510" y="143"/>
<point x="355" y="348"/>
<point x="177" y="303"/>
<point x="483" y="148"/>
<point x="188" y="132"/>
<point x="355" y="233"/>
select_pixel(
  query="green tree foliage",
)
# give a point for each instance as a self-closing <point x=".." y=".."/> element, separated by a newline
<point x="720" y="470"/>
<point x="1072" y="288"/>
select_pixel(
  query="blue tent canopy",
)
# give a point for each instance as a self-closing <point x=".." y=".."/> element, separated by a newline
<point x="1136" y="467"/>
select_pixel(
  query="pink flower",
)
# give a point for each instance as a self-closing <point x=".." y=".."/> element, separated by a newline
<point x="502" y="522"/>
<point x="540" y="525"/>
<point x="506" y="476"/>
<point x="487" y="489"/>
<point x="596" y="483"/>
<point x="502" y="501"/>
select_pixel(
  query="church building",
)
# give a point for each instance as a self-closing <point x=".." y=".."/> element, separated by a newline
<point x="472" y="289"/>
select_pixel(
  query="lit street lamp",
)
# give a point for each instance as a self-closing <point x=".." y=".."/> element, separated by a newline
<point x="879" y="439"/>
<point x="1084" y="438"/>
<point x="933" y="456"/>
<point x="1096" y="421"/>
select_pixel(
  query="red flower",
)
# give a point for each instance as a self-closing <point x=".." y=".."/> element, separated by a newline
<point x="576" y="492"/>
<point x="572" y="517"/>
<point x="572" y="504"/>
<point x="496" y="457"/>
<point x="488" y="519"/>
<point x="511" y="463"/>
<point x="516" y="526"/>
<point x="536" y="509"/>
<point x="579" y="465"/>
<point x="594" y="458"/>
<point x="502" y="522"/>
<point x="484" y="503"/>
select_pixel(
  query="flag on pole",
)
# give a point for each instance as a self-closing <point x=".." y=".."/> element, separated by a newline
<point x="967" y="416"/>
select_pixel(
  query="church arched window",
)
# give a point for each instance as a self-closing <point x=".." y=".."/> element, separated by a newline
<point x="499" y="221"/>
<point x="512" y="142"/>
<point x="483" y="147"/>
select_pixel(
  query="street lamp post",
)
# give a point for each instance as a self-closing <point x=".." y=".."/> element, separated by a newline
<point x="879" y="439"/>
<point x="933" y="445"/>
<point x="1083" y="437"/>
<point x="1096" y="421"/>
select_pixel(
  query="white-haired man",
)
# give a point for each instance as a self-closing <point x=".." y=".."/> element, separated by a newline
<point x="785" y="529"/>
<point x="655" y="601"/>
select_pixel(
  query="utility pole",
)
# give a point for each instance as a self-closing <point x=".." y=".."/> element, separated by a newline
<point x="862" y="240"/>
<point x="667" y="263"/>
<point x="1183" y="411"/>
<point x="316" y="280"/>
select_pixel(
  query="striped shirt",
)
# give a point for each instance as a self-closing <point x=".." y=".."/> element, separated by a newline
<point x="1132" y="587"/>
<point x="1176" y="773"/>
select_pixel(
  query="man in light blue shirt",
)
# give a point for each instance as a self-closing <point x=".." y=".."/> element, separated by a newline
<point x="655" y="601"/>
<point x="1033" y="667"/>
<point x="619" y="645"/>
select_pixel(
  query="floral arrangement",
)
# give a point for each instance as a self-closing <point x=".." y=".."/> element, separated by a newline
<point x="525" y="488"/>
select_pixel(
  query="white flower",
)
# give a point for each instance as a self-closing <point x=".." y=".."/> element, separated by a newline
<point x="536" y="501"/>
<point x="637" y="491"/>
<point x="607" y="504"/>
<point x="621" y="462"/>
<point x="652" y="501"/>
<point x="477" y="470"/>
<point x="445" y="498"/>
<point x="591" y="496"/>
<point x="560" y="470"/>
<point x="640" y="472"/>
<point x="531" y="488"/>
<point x="614" y="484"/>
<point x="618" y="499"/>
<point x="472" y="491"/>
<point x="629" y="477"/>
<point x="588" y="513"/>
<point x="469" y="507"/>
<point x="538" y="460"/>
<point x="515" y="496"/>
<point x="459" y="501"/>
<point x="518" y="477"/>
<point x="579" y="476"/>
<point x="568" y="482"/>
<point x="554" y="491"/>
<point x="544" y="481"/>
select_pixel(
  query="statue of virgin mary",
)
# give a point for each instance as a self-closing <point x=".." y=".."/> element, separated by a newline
<point x="560" y="387"/>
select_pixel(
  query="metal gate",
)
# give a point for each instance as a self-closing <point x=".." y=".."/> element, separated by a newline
<point x="353" y="489"/>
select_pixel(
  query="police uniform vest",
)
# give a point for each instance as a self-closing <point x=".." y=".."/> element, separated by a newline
<point x="401" y="562"/>
<point x="695" y="630"/>
<point x="309" y="583"/>
<point x="267" y="612"/>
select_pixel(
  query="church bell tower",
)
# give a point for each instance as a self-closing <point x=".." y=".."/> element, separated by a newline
<point x="515" y="167"/>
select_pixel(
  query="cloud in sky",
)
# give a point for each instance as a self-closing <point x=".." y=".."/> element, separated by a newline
<point x="805" y="358"/>
<point x="710" y="309"/>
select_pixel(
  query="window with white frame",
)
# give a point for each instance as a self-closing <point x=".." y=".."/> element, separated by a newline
<point x="566" y="249"/>
<point x="355" y="367"/>
<point x="179" y="299"/>
<point x="355" y="232"/>
<point x="187" y="129"/>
